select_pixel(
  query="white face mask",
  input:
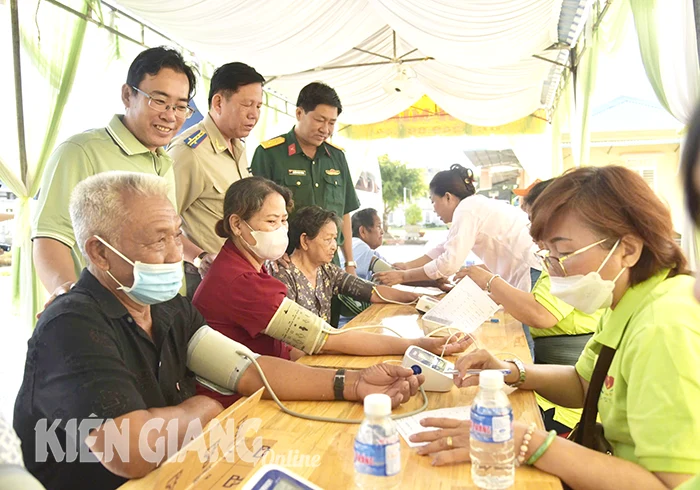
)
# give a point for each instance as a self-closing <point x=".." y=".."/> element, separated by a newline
<point x="586" y="293"/>
<point x="269" y="245"/>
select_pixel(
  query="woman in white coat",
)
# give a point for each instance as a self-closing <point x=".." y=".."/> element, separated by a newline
<point x="495" y="231"/>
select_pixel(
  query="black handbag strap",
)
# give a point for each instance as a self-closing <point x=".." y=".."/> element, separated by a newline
<point x="585" y="434"/>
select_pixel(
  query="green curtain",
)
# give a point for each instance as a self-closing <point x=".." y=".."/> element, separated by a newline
<point x="585" y="85"/>
<point x="55" y="55"/>
<point x="645" y="15"/>
<point x="561" y="114"/>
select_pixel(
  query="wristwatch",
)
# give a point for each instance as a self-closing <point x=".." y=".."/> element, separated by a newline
<point x="351" y="263"/>
<point x="198" y="259"/>
<point x="339" y="384"/>
<point x="521" y="370"/>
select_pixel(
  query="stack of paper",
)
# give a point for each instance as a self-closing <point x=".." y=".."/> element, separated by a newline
<point x="466" y="307"/>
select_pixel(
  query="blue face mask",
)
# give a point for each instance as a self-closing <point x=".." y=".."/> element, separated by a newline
<point x="153" y="283"/>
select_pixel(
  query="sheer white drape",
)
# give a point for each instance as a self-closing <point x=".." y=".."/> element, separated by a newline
<point x="476" y="33"/>
<point x="483" y="72"/>
<point x="274" y="36"/>
<point x="668" y="44"/>
<point x="479" y="96"/>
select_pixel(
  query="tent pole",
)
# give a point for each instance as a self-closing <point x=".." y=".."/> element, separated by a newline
<point x="18" y="92"/>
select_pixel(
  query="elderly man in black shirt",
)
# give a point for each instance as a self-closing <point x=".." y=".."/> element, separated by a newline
<point x="115" y="347"/>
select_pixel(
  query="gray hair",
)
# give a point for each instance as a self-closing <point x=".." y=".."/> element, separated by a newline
<point x="99" y="204"/>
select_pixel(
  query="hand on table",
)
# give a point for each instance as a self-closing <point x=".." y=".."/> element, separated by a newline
<point x="481" y="359"/>
<point x="437" y="344"/>
<point x="437" y="440"/>
<point x="389" y="278"/>
<point x="398" y="382"/>
<point x="458" y="430"/>
<point x="62" y="289"/>
<point x="205" y="265"/>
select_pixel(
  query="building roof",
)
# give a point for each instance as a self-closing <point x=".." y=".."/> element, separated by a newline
<point x="632" y="114"/>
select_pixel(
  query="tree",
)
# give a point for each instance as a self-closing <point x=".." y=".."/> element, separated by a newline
<point x="395" y="177"/>
<point x="413" y="214"/>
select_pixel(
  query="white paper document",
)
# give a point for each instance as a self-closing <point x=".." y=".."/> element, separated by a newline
<point x="466" y="307"/>
<point x="411" y="425"/>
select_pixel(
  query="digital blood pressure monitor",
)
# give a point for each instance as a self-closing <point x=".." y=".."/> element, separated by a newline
<point x="274" y="477"/>
<point x="437" y="371"/>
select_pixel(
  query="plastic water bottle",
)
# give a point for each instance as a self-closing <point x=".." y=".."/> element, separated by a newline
<point x="492" y="455"/>
<point x="377" y="446"/>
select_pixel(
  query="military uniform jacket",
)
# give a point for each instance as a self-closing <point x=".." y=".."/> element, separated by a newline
<point x="324" y="180"/>
<point x="204" y="169"/>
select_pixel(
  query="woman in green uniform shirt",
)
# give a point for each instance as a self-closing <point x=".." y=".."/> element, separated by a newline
<point x="610" y="243"/>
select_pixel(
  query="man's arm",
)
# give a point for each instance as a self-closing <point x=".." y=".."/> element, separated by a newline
<point x="52" y="230"/>
<point x="54" y="264"/>
<point x="292" y="381"/>
<point x="139" y="463"/>
<point x="347" y="244"/>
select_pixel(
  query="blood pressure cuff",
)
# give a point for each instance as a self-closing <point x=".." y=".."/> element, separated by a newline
<point x="215" y="360"/>
<point x="355" y="287"/>
<point x="296" y="326"/>
<point x="378" y="265"/>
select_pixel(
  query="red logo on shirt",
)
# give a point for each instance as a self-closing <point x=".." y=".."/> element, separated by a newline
<point x="291" y="149"/>
<point x="609" y="382"/>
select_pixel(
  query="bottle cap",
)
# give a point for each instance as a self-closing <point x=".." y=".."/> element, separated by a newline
<point x="491" y="379"/>
<point x="378" y="405"/>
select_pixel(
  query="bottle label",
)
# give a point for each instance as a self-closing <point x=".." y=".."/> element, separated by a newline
<point x="491" y="425"/>
<point x="378" y="459"/>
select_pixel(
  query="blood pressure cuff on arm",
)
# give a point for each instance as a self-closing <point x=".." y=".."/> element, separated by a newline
<point x="215" y="360"/>
<point x="296" y="326"/>
<point x="349" y="285"/>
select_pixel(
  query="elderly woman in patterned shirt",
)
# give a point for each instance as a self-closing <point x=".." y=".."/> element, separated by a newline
<point x="312" y="280"/>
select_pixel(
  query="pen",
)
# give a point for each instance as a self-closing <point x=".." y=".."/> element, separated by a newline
<point x="476" y="371"/>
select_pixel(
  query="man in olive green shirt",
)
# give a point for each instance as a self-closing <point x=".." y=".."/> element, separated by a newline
<point x="314" y="170"/>
<point x="158" y="88"/>
<point x="209" y="157"/>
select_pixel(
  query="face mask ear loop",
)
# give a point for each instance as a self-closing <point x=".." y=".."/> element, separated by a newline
<point x="619" y="274"/>
<point x="121" y="286"/>
<point x="114" y="250"/>
<point x="608" y="256"/>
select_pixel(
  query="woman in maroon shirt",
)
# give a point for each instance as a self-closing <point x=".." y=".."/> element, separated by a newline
<point x="239" y="298"/>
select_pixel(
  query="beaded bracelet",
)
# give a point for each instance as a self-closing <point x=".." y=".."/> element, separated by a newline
<point x="541" y="450"/>
<point x="526" y="442"/>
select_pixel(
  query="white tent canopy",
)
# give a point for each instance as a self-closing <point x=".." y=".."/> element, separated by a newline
<point x="476" y="56"/>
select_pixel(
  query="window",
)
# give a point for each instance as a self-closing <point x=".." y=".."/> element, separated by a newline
<point x="645" y="166"/>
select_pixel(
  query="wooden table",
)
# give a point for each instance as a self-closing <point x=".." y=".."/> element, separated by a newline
<point x="323" y="452"/>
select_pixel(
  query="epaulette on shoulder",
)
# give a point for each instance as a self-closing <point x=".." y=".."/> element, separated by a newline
<point x="335" y="146"/>
<point x="194" y="140"/>
<point x="273" y="142"/>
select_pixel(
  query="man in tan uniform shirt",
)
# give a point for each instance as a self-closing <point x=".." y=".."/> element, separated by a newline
<point x="209" y="157"/>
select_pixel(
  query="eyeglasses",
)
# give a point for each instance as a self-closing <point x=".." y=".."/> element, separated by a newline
<point x="160" y="105"/>
<point x="555" y="265"/>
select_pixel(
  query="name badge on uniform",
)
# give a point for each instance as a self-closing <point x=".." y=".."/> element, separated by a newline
<point x="333" y="171"/>
<point x="297" y="172"/>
